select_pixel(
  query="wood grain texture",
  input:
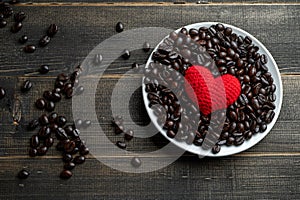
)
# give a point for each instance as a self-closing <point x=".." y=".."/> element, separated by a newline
<point x="269" y="170"/>
<point x="83" y="28"/>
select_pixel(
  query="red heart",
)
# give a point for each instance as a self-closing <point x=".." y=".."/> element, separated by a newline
<point x="209" y="91"/>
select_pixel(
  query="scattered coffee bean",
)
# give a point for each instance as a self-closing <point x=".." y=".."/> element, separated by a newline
<point x="23" y="174"/>
<point x="42" y="150"/>
<point x="119" y="27"/>
<point x="2" y="92"/>
<point x="69" y="166"/>
<point x="34" y="141"/>
<point x="29" y="48"/>
<point x="16" y="27"/>
<point x="44" y="132"/>
<point x="52" y="30"/>
<point x="66" y="174"/>
<point x="44" y="41"/>
<point x="121" y="145"/>
<point x="23" y="39"/>
<point x="44" y="69"/>
<point x="3" y="23"/>
<point x="32" y="152"/>
<point x="84" y="150"/>
<point x="67" y="157"/>
<point x="129" y="134"/>
<point x="61" y="121"/>
<point x="27" y="85"/>
<point x="20" y="16"/>
<point x="50" y="106"/>
<point x="43" y="120"/>
<point x="40" y="103"/>
<point x="126" y="54"/>
<point x="33" y="124"/>
<point x="49" y="142"/>
<point x="79" y="159"/>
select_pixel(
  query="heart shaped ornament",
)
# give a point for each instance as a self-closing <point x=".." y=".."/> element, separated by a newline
<point x="211" y="93"/>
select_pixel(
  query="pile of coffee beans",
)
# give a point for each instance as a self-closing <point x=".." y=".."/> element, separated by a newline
<point x="231" y="54"/>
<point x="54" y="126"/>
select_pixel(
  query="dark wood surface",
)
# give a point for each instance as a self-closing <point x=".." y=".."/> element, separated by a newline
<point x="269" y="170"/>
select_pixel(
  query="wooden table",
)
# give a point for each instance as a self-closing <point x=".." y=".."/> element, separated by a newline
<point x="269" y="170"/>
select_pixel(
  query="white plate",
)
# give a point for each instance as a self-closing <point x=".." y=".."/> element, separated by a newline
<point x="226" y="150"/>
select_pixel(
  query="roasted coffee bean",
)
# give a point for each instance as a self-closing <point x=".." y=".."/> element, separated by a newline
<point x="69" y="93"/>
<point x="61" y="121"/>
<point x="119" y="27"/>
<point x="66" y="174"/>
<point x="44" y="132"/>
<point x="32" y="152"/>
<point x="52" y="30"/>
<point x="61" y="134"/>
<point x="43" y="120"/>
<point x="56" y="90"/>
<point x="29" y="48"/>
<point x="233" y="115"/>
<point x="270" y="116"/>
<point x="75" y="133"/>
<point x="79" y="159"/>
<point x="23" y="174"/>
<point x="49" y="142"/>
<point x="34" y="141"/>
<point x="243" y="100"/>
<point x="42" y="150"/>
<point x="136" y="162"/>
<point x="262" y="127"/>
<point x="2" y="92"/>
<point x="44" y="41"/>
<point x="67" y="157"/>
<point x="56" y="97"/>
<point x="121" y="145"/>
<point x="44" y="69"/>
<point x="239" y="141"/>
<point x="50" y="106"/>
<point x="27" y="85"/>
<point x="61" y="143"/>
<point x="129" y="134"/>
<point x="52" y="117"/>
<point x="230" y="141"/>
<point x="3" y="23"/>
<point x="20" y="16"/>
<point x="69" y="146"/>
<point x="23" y="39"/>
<point x="126" y="54"/>
<point x="171" y="133"/>
<point x="16" y="27"/>
<point x="216" y="149"/>
<point x="69" y="166"/>
<point x="33" y="124"/>
<point x="146" y="47"/>
<point x="63" y="77"/>
<point x="40" y="103"/>
<point x="84" y="150"/>
<point x="263" y="59"/>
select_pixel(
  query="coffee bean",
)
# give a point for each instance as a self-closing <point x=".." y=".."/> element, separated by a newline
<point x="33" y="124"/>
<point x="69" y="146"/>
<point x="79" y="159"/>
<point x="262" y="127"/>
<point x="3" y="23"/>
<point x="67" y="157"/>
<point x="34" y="141"/>
<point x="129" y="134"/>
<point x="23" y="174"/>
<point x="49" y="142"/>
<point x="56" y="97"/>
<point x="84" y="150"/>
<point x="69" y="166"/>
<point x="243" y="100"/>
<point x="136" y="162"/>
<point x="233" y="115"/>
<point x="50" y="106"/>
<point x="61" y="121"/>
<point x="121" y="145"/>
<point x="27" y="85"/>
<point x="44" y="41"/>
<point x="32" y="152"/>
<point x="40" y="103"/>
<point x="42" y="150"/>
<point x="75" y="133"/>
<point x="23" y="39"/>
<point x="16" y="27"/>
<point x="52" y="30"/>
<point x="52" y="117"/>
<point x="216" y="149"/>
<point x="119" y="27"/>
<point x="66" y="174"/>
<point x="61" y="134"/>
<point x="29" y="48"/>
<point x="43" y="120"/>
<point x="126" y="54"/>
<point x="20" y="16"/>
<point x="44" y="132"/>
